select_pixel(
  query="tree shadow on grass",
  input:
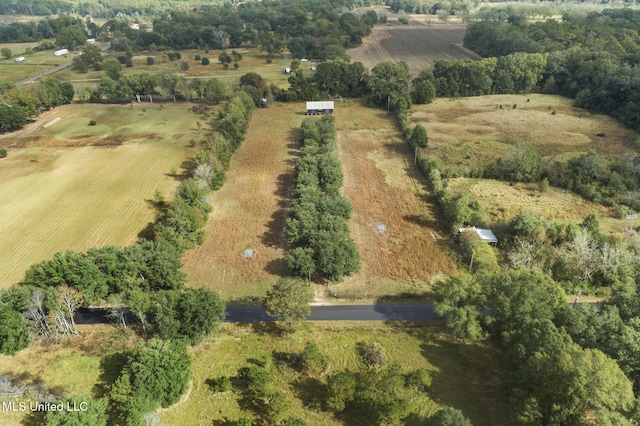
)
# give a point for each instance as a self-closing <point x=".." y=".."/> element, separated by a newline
<point x="110" y="368"/>
<point x="311" y="391"/>
<point x="467" y="377"/>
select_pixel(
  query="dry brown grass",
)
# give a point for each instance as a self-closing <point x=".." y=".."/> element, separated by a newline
<point x="250" y="209"/>
<point x="385" y="188"/>
<point x="474" y="132"/>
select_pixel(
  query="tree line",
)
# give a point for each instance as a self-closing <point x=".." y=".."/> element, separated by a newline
<point x="19" y="105"/>
<point x="593" y="59"/>
<point x="317" y="228"/>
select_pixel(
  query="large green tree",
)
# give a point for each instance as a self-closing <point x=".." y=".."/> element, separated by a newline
<point x="81" y="410"/>
<point x="14" y="335"/>
<point x="288" y="300"/>
<point x="159" y="372"/>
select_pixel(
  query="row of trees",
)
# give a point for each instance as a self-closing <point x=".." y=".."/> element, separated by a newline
<point x="317" y="226"/>
<point x="69" y="32"/>
<point x="19" y="105"/>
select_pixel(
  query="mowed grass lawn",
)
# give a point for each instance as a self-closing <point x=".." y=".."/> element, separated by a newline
<point x="466" y="376"/>
<point x="72" y="186"/>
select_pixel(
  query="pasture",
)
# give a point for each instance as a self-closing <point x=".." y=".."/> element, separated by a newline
<point x="386" y="189"/>
<point x="72" y="186"/>
<point x="250" y="209"/>
<point x="465" y="376"/>
<point x="470" y="133"/>
<point x="418" y="45"/>
<point x="36" y="62"/>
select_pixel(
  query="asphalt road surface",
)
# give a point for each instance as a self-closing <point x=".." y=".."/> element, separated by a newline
<point x="408" y="312"/>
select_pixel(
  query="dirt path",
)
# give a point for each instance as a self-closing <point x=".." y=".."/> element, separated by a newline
<point x="386" y="190"/>
<point x="250" y="209"/>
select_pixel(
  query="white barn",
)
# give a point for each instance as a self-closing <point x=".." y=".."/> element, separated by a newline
<point x="319" y="108"/>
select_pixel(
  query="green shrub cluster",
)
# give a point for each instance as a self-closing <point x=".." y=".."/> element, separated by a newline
<point x="317" y="226"/>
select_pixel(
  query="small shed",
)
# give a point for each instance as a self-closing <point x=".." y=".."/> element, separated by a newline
<point x="20" y="59"/>
<point x="61" y="52"/>
<point x="287" y="70"/>
<point x="319" y="108"/>
<point x="485" y="235"/>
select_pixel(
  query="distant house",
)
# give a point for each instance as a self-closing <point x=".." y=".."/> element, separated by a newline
<point x="287" y="70"/>
<point x="91" y="40"/>
<point x="20" y="59"/>
<point x="134" y="26"/>
<point x="61" y="52"/>
<point x="485" y="235"/>
<point x="319" y="108"/>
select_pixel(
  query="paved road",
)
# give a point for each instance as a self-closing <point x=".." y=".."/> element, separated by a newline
<point x="53" y="70"/>
<point x="408" y="312"/>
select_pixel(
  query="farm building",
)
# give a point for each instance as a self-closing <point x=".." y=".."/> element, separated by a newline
<point x="319" y="108"/>
<point x="61" y="52"/>
<point x="485" y="235"/>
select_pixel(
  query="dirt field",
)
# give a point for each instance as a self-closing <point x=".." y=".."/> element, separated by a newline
<point x="385" y="189"/>
<point x="418" y="45"/>
<point x="57" y="194"/>
<point x="249" y="210"/>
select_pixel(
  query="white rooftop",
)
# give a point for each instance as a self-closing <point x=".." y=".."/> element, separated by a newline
<point x="484" y="234"/>
<point x="320" y="105"/>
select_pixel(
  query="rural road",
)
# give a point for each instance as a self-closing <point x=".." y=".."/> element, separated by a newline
<point x="52" y="70"/>
<point x="407" y="312"/>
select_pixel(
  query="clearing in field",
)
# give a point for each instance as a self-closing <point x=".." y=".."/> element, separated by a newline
<point x="250" y="209"/>
<point x="72" y="186"/>
<point x="471" y="133"/>
<point x="394" y="227"/>
<point x="418" y="45"/>
<point x="465" y="376"/>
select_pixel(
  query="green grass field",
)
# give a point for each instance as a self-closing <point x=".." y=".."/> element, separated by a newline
<point x="35" y="63"/>
<point x="465" y="376"/>
<point x="74" y="186"/>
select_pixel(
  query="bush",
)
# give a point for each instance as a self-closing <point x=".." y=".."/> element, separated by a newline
<point x="205" y="61"/>
<point x="312" y="360"/>
<point x="419" y="379"/>
<point x="150" y="60"/>
<point x="221" y="384"/>
<point x="92" y="123"/>
<point x="372" y="354"/>
<point x="3" y="152"/>
<point x="197" y="57"/>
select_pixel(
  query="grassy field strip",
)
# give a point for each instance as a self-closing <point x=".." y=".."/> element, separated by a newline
<point x="249" y="210"/>
<point x="382" y="189"/>
<point x="85" y="197"/>
<point x="464" y="375"/>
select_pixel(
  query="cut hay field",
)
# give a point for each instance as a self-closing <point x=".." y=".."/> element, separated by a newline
<point x="418" y="45"/>
<point x="250" y="209"/>
<point x="72" y="186"/>
<point x="385" y="189"/>
<point x="465" y="376"/>
<point x="470" y="133"/>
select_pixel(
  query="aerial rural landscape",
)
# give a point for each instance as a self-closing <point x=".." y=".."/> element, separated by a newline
<point x="319" y="212"/>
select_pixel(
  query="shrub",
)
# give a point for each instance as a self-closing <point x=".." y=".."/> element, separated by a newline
<point x="543" y="186"/>
<point x="92" y="123"/>
<point x="197" y="57"/>
<point x="205" y="61"/>
<point x="312" y="360"/>
<point x="419" y="379"/>
<point x="372" y="354"/>
<point x="150" y="60"/>
<point x="3" y="152"/>
<point x="221" y="384"/>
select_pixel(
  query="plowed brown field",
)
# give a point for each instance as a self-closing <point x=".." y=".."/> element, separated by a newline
<point x="418" y="45"/>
